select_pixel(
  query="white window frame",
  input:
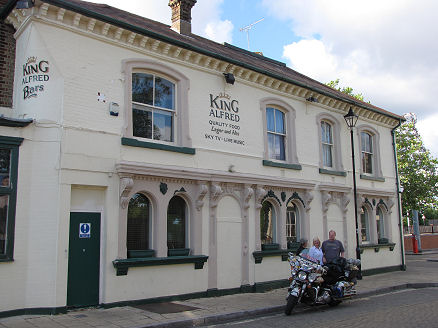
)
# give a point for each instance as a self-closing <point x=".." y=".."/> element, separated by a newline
<point x="153" y="108"/>
<point x="186" y="223"/>
<point x="337" y="165"/>
<point x="376" y="160"/>
<point x="367" y="224"/>
<point x="290" y="147"/>
<point x="181" y="131"/>
<point x="297" y="221"/>
<point x="150" y="223"/>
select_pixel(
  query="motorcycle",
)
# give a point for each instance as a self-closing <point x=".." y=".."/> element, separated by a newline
<point x="313" y="284"/>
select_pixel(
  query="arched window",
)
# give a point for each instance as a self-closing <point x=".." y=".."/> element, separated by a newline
<point x="176" y="223"/>
<point x="364" y="223"/>
<point x="380" y="221"/>
<point x="153" y="107"/>
<point x="276" y="130"/>
<point x="267" y="223"/>
<point x="327" y="144"/>
<point x="367" y="154"/>
<point x="139" y="220"/>
<point x="292" y="223"/>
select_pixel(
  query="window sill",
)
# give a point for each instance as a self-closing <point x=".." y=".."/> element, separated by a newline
<point x="376" y="247"/>
<point x="259" y="255"/>
<point x="122" y="265"/>
<point x="282" y="165"/>
<point x="152" y="145"/>
<point x="331" y="172"/>
<point x="368" y="177"/>
<point x="14" y="122"/>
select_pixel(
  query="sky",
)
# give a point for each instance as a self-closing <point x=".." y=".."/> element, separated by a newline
<point x="385" y="50"/>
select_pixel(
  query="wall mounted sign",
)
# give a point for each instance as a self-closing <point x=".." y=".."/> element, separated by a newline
<point x="84" y="230"/>
<point x="35" y="75"/>
<point x="224" y="120"/>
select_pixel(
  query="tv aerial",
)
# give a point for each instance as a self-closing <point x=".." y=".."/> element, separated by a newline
<point x="249" y="27"/>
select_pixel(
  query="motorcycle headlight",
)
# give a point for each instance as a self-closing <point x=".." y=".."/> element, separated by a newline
<point x="302" y="275"/>
<point x="312" y="277"/>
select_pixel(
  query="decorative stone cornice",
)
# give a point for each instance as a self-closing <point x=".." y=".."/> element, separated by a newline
<point x="104" y="31"/>
<point x="139" y="169"/>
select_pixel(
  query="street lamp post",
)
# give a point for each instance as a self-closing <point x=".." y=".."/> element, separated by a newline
<point x="351" y="120"/>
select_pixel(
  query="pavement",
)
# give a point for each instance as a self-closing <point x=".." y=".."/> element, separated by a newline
<point x="421" y="272"/>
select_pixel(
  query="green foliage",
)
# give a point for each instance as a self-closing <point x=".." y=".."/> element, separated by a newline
<point x="431" y="214"/>
<point x="347" y="90"/>
<point x="418" y="169"/>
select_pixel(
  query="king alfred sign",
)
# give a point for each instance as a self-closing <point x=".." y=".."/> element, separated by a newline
<point x="35" y="75"/>
<point x="224" y="120"/>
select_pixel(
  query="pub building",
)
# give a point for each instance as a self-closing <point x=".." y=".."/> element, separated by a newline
<point x="141" y="162"/>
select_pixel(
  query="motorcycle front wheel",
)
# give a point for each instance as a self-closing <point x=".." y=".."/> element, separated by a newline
<point x="291" y="302"/>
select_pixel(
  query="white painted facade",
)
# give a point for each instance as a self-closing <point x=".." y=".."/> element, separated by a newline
<point x="72" y="160"/>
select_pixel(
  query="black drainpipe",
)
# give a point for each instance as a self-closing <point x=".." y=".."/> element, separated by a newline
<point x="397" y="182"/>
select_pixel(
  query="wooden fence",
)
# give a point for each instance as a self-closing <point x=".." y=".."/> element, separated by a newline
<point x="423" y="229"/>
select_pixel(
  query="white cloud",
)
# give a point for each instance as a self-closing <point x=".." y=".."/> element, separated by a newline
<point x="429" y="133"/>
<point x="382" y="49"/>
<point x="312" y="57"/>
<point x="219" y="31"/>
<point x="206" y="21"/>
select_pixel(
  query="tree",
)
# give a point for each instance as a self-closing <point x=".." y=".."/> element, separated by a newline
<point x="347" y="90"/>
<point x="418" y="169"/>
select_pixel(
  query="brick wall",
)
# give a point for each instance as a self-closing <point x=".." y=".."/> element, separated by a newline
<point x="7" y="62"/>
<point x="428" y="241"/>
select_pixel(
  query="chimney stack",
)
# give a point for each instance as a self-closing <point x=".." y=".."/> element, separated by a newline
<point x="181" y="15"/>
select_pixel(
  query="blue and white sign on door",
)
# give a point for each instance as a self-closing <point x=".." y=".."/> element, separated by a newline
<point x="84" y="230"/>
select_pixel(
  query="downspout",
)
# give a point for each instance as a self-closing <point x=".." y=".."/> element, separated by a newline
<point x="400" y="223"/>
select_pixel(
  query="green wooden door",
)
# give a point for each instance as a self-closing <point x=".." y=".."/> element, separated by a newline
<point x="83" y="259"/>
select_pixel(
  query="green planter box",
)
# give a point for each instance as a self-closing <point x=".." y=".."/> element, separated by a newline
<point x="140" y="253"/>
<point x="270" y="247"/>
<point x="178" y="252"/>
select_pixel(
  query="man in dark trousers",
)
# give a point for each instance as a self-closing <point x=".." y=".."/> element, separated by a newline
<point x="332" y="248"/>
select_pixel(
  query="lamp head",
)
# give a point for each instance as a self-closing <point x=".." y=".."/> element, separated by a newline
<point x="351" y="118"/>
<point x="229" y="78"/>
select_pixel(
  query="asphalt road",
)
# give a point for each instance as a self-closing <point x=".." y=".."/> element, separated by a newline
<point x="406" y="308"/>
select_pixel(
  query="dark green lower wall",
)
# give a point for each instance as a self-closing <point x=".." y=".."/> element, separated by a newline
<point x="34" y="311"/>
<point x="371" y="272"/>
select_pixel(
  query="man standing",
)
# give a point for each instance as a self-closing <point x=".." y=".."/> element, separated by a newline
<point x="332" y="248"/>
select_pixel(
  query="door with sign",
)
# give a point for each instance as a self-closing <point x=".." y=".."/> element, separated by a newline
<point x="83" y="259"/>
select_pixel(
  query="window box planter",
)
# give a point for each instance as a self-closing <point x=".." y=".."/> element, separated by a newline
<point x="178" y="252"/>
<point x="270" y="247"/>
<point x="140" y="253"/>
